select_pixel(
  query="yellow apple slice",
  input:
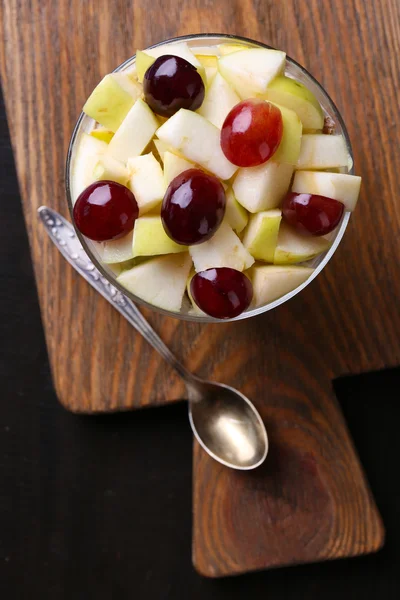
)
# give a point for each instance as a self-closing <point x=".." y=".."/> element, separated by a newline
<point x="262" y="187"/>
<point x="224" y="249"/>
<point x="235" y="215"/>
<point x="143" y="62"/>
<point x="225" y="49"/>
<point x="161" y="281"/>
<point x="198" y="140"/>
<point x="271" y="282"/>
<point x="134" y="133"/>
<point x="108" y="168"/>
<point x="173" y="166"/>
<point x="103" y="134"/>
<point x="319" y="151"/>
<point x="219" y="99"/>
<point x="250" y="71"/>
<point x="293" y="247"/>
<point x="146" y="181"/>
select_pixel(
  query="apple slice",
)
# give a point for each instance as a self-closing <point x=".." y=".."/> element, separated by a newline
<point x="271" y="282"/>
<point x="195" y="310"/>
<point x="143" y="62"/>
<point x="208" y="60"/>
<point x="261" y="235"/>
<point x="146" y="182"/>
<point x="293" y="247"/>
<point x="103" y="134"/>
<point x="150" y="239"/>
<point x="219" y="99"/>
<point x="108" y="168"/>
<point x="262" y="187"/>
<point x="88" y="153"/>
<point x="225" y="49"/>
<point x="224" y="249"/>
<point x="179" y="49"/>
<point x="338" y="186"/>
<point x="173" y="166"/>
<point x="160" y="281"/>
<point x="289" y="149"/>
<point x="250" y="71"/>
<point x="319" y="151"/>
<point x="118" y="251"/>
<point x="198" y="140"/>
<point x="235" y="215"/>
<point x="296" y="96"/>
<point x="112" y="99"/>
<point x="134" y="133"/>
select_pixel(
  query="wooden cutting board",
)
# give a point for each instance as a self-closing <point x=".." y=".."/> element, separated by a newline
<point x="310" y="501"/>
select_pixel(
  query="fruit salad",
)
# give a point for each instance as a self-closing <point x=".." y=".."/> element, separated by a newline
<point x="209" y="179"/>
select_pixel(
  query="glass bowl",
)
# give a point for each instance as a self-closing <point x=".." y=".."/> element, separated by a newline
<point x="294" y="70"/>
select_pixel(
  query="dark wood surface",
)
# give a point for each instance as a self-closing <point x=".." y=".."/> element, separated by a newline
<point x="52" y="54"/>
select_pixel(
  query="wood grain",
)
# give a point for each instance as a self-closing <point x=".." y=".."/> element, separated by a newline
<point x="311" y="501"/>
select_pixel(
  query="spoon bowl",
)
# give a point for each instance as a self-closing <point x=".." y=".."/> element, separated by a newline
<point x="228" y="426"/>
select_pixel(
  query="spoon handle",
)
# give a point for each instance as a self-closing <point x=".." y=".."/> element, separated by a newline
<point x="62" y="233"/>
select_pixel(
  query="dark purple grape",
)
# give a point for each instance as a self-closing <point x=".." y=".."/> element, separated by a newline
<point x="311" y="213"/>
<point x="222" y="293"/>
<point x="105" y="210"/>
<point x="171" y="83"/>
<point x="193" y="207"/>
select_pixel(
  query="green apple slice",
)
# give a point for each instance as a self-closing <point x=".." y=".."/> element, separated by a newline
<point x="179" y="49"/>
<point x="261" y="235"/>
<point x="235" y="215"/>
<point x="160" y="281"/>
<point x="296" y="96"/>
<point x="108" y="168"/>
<point x="250" y="71"/>
<point x="289" y="149"/>
<point x="135" y="132"/>
<point x="293" y="247"/>
<point x="103" y="134"/>
<point x="319" y="151"/>
<point x="146" y="181"/>
<point x="271" y="282"/>
<point x="224" y="249"/>
<point x="112" y="99"/>
<point x="88" y="153"/>
<point x="150" y="239"/>
<point x="143" y="62"/>
<point x="118" y="251"/>
<point x="338" y="186"/>
<point x="263" y="187"/>
<point x="173" y="166"/>
<point x="198" y="140"/>
<point x="219" y="99"/>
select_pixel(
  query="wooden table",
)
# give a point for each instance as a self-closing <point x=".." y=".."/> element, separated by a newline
<point x="345" y="322"/>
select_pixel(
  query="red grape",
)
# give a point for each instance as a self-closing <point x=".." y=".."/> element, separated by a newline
<point x="193" y="207"/>
<point x="312" y="214"/>
<point x="105" y="210"/>
<point x="171" y="83"/>
<point x="251" y="132"/>
<point x="222" y="293"/>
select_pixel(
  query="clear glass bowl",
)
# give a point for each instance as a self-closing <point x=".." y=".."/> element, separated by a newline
<point x="294" y="70"/>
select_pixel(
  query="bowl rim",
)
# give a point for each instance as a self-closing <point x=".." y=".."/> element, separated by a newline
<point x="252" y="312"/>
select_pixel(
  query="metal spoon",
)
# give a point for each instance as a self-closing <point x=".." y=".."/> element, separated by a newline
<point x="224" y="421"/>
